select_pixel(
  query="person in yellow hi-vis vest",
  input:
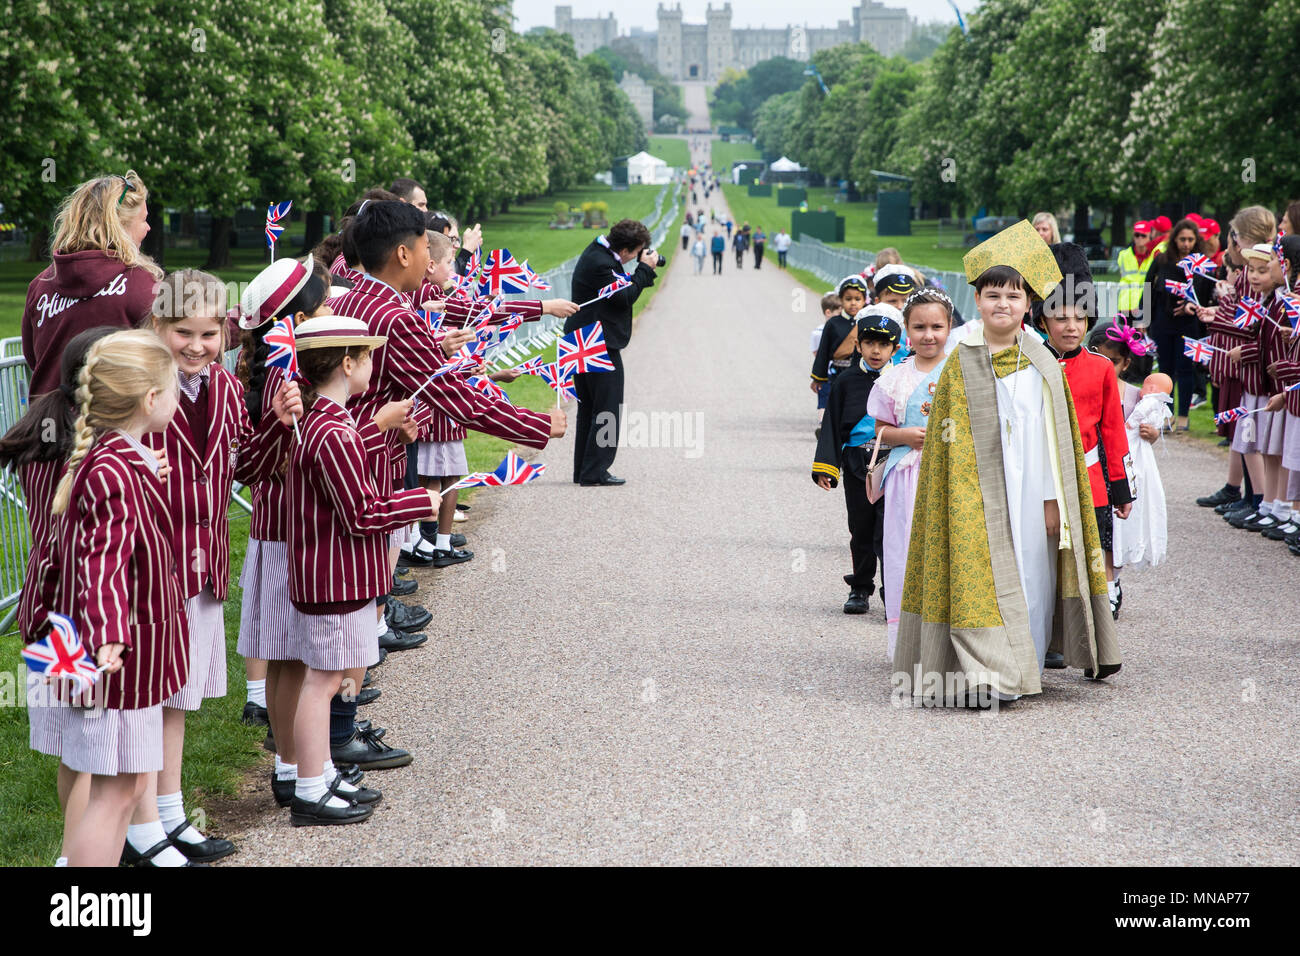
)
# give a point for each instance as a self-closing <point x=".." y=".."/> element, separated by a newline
<point x="1133" y="262"/>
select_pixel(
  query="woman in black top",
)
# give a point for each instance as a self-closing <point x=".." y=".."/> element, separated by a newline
<point x="1170" y="316"/>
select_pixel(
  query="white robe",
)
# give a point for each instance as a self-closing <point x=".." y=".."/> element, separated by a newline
<point x="1027" y="464"/>
<point x="1142" y="539"/>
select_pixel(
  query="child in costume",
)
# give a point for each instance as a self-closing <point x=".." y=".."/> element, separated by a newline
<point x="900" y="404"/>
<point x="836" y="346"/>
<point x="830" y="308"/>
<point x="845" y="444"/>
<point x="1064" y="317"/>
<point x="1005" y="557"/>
<point x="1142" y="540"/>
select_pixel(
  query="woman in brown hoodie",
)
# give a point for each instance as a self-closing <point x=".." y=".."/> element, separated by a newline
<point x="97" y="275"/>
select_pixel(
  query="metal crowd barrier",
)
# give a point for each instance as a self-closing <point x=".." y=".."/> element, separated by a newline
<point x="833" y="263"/>
<point x="14" y="536"/>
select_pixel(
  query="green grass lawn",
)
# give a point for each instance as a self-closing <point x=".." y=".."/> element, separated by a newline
<point x="724" y="154"/>
<point x="671" y="149"/>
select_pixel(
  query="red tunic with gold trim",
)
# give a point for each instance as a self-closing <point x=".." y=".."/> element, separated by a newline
<point x="1095" y="390"/>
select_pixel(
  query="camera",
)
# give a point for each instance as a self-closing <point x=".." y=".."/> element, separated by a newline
<point x="659" y="260"/>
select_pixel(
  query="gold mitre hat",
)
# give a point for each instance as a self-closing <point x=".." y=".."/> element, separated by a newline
<point x="1022" y="248"/>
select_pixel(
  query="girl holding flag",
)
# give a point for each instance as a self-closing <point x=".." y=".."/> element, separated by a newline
<point x="1172" y="315"/>
<point x="111" y="568"/>
<point x="209" y="444"/>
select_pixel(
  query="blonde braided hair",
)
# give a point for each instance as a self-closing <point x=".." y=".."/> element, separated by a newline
<point x="120" y="370"/>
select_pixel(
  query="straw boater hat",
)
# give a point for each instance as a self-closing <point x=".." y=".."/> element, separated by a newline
<point x="333" y="332"/>
<point x="1020" y="247"/>
<point x="274" y="286"/>
<point x="1261" y="250"/>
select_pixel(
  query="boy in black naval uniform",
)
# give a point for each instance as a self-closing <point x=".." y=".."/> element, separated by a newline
<point x="845" y="445"/>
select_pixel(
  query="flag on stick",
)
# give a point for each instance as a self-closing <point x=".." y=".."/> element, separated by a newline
<point x="583" y="350"/>
<point x="61" y="654"/>
<point x="274" y="213"/>
<point x="620" y="282"/>
<point x="513" y="470"/>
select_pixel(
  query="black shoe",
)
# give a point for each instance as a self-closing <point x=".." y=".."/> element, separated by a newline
<point x="1239" y="517"/>
<point x="1282" y="531"/>
<point x="282" y="790"/>
<point x="368" y="695"/>
<point x="368" y="753"/>
<point x="407" y="559"/>
<point x="459" y="541"/>
<point x="461" y="507"/>
<point x="304" y="814"/>
<point x="133" y="857"/>
<point x="857" y="603"/>
<point x="254" y="715"/>
<point x="1054" y="661"/>
<point x="213" y="848"/>
<point x="268" y="744"/>
<point x="1106" y="670"/>
<point x="607" y="480"/>
<point x="351" y="773"/>
<point x="398" y="640"/>
<point x="1294" y="548"/>
<point x="1225" y="442"/>
<point x="369" y="678"/>
<point x="405" y="617"/>
<point x="363" y="796"/>
<point x="368" y="727"/>
<point x="445" y="559"/>
<point x="1261" y="523"/>
<point x="383" y="656"/>
<point x="1229" y="506"/>
<point x="403" y="587"/>
<point x="1222" y="496"/>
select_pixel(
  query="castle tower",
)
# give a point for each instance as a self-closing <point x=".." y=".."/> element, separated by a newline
<point x="564" y="20"/>
<point x="719" y="42"/>
<point x="670" y="41"/>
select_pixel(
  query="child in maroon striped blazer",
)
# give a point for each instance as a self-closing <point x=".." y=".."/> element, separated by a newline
<point x="111" y="567"/>
<point x="337" y="548"/>
<point x="210" y="444"/>
<point x="37" y="448"/>
<point x="296" y="291"/>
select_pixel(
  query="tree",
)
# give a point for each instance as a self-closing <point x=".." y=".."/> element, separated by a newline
<point x="925" y="39"/>
<point x="885" y="103"/>
<point x="739" y="94"/>
<point x="774" y="126"/>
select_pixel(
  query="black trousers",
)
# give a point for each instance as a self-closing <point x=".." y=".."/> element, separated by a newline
<point x="600" y="400"/>
<point x="740" y="258"/>
<point x="717" y="263"/>
<point x="758" y="255"/>
<point x="1169" y="351"/>
<point x="866" y="525"/>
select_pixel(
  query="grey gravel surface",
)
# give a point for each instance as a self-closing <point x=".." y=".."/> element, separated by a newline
<point x="661" y="673"/>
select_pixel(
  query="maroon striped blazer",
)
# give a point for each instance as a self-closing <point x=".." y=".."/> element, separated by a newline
<point x="1225" y="336"/>
<point x="405" y="363"/>
<point x="1288" y="368"/>
<point x="1269" y="345"/>
<point x="199" y="486"/>
<point x="339" y="267"/>
<point x="1254" y="379"/>
<point x="40" y="479"/>
<point x="111" y="568"/>
<point x="336" y="515"/>
<point x="268" y="522"/>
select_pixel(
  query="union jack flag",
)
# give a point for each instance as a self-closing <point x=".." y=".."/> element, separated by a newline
<point x="61" y="654"/>
<point x="532" y="367"/>
<point x="458" y="364"/>
<point x="1181" y="289"/>
<point x="513" y="470"/>
<point x="501" y="273"/>
<point x="274" y="213"/>
<point x="284" y="347"/>
<point x="1231" y="415"/>
<point x="620" y="282"/>
<point x="536" y="281"/>
<point x="1277" y="249"/>
<point x="433" y="318"/>
<point x="474" y="264"/>
<point x="559" y="379"/>
<point x="489" y="306"/>
<point x="1291" y="309"/>
<point x="583" y="350"/>
<point x="488" y="387"/>
<point x="1249" y="311"/>
<point x="1198" y="350"/>
<point x="1194" y="263"/>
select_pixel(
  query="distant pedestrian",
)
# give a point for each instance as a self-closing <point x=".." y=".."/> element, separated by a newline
<point x="730" y="225"/>
<point x="697" y="252"/>
<point x="740" y="242"/>
<point x="760" y="241"/>
<point x="781" y="243"/>
<point x="718" y="245"/>
<point x="686" y="235"/>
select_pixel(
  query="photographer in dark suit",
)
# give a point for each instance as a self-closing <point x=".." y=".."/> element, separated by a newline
<point x="600" y="394"/>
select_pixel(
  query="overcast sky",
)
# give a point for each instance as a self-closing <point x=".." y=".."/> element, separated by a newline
<point x="744" y="13"/>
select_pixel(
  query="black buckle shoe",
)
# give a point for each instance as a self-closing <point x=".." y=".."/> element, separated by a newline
<point x="403" y="587"/>
<point x="363" y="796"/>
<point x="368" y="695"/>
<point x="255" y="715"/>
<point x="408" y="559"/>
<point x="1054" y="661"/>
<point x="133" y="857"/>
<point x="444" y="559"/>
<point x="1220" y="497"/>
<point x="319" y="814"/>
<point x="212" y="848"/>
<point x="405" y="617"/>
<point x="398" y="640"/>
<point x="857" y="603"/>
<point x="282" y="790"/>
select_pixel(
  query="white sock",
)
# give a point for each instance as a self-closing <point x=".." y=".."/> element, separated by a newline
<point x="257" y="692"/>
<point x="1281" y="510"/>
<point x="142" y="836"/>
<point x="331" y="773"/>
<point x="413" y="535"/>
<point x="171" y="808"/>
<point x="444" y="542"/>
<point x="61" y="861"/>
<point x="383" y="626"/>
<point x="312" y="789"/>
<point x="285" y="771"/>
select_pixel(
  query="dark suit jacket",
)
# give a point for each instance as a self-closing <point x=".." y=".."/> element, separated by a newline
<point x="595" y="270"/>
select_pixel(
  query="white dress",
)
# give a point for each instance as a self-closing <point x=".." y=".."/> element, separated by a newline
<point x="1142" y="540"/>
<point x="1027" y="463"/>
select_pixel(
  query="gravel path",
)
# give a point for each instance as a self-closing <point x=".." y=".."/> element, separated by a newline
<point x="660" y="673"/>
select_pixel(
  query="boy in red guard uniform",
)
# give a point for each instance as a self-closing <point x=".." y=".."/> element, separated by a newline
<point x="1065" y="317"/>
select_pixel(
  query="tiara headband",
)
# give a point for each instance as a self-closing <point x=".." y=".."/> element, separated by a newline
<point x="928" y="295"/>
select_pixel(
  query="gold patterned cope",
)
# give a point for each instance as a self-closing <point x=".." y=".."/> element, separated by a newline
<point x="1020" y="247"/>
<point x="1010" y="360"/>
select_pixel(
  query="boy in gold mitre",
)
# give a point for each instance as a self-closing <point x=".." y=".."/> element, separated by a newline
<point x="1005" y="559"/>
